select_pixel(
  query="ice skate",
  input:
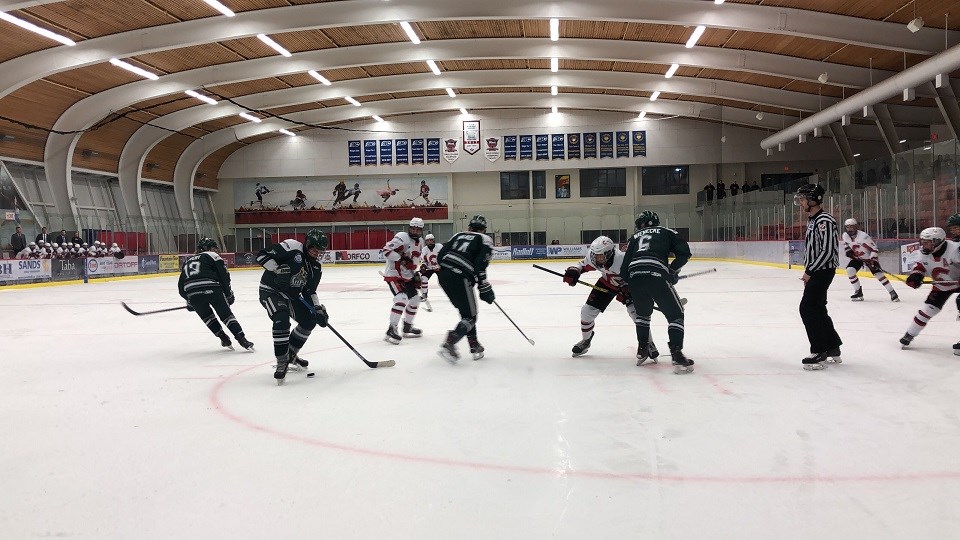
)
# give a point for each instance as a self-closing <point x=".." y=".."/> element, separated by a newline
<point x="833" y="356"/>
<point x="653" y="351"/>
<point x="281" y="372"/>
<point x="815" y="361"/>
<point x="857" y="296"/>
<point x="225" y="340"/>
<point x="476" y="349"/>
<point x="894" y="297"/>
<point x="643" y="354"/>
<point x="956" y="349"/>
<point x="448" y="349"/>
<point x="410" y="331"/>
<point x="906" y="340"/>
<point x="392" y="336"/>
<point x="582" y="346"/>
<point x="681" y="364"/>
<point x="245" y="343"/>
<point x="297" y="363"/>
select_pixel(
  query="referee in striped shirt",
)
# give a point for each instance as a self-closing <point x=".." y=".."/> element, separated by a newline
<point x="821" y="261"/>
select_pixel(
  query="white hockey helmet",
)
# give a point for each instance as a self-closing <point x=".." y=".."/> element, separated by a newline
<point x="114" y="245"/>
<point x="416" y="228"/>
<point x="850" y="223"/>
<point x="416" y="222"/>
<point x="55" y="245"/>
<point x="602" y="251"/>
<point x="33" y="244"/>
<point x="930" y="238"/>
<point x="85" y="245"/>
<point x="429" y="237"/>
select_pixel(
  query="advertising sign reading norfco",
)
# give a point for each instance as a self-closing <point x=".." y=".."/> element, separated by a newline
<point x="358" y="255"/>
<point x="169" y="263"/>
<point x="12" y="269"/>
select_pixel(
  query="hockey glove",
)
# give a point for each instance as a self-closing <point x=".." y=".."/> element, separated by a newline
<point x="571" y="276"/>
<point x="320" y="316"/>
<point x="190" y="307"/>
<point x="230" y="298"/>
<point x="874" y="266"/>
<point x="623" y="296"/>
<point x="850" y="254"/>
<point x="282" y="279"/>
<point x="673" y="277"/>
<point x="914" y="280"/>
<point x="486" y="292"/>
<point x="408" y="263"/>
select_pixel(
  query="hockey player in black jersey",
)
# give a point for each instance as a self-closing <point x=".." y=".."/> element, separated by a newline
<point x="205" y="285"/>
<point x="288" y="290"/>
<point x="651" y="280"/>
<point x="463" y="263"/>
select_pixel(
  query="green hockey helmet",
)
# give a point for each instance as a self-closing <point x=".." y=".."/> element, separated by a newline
<point x="647" y="218"/>
<point x="316" y="239"/>
<point x="478" y="223"/>
<point x="206" y="244"/>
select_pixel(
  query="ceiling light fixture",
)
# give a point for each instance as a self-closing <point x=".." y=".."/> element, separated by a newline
<point x="201" y="97"/>
<point x="377" y="118"/>
<point x="220" y="7"/>
<point x="288" y="133"/>
<point x="450" y="92"/>
<point x="351" y="100"/>
<point x="673" y="69"/>
<point x="927" y="147"/>
<point x="554" y="90"/>
<point x="433" y="67"/>
<point x="410" y="33"/>
<point x="641" y="115"/>
<point x="823" y="78"/>
<point x="718" y="2"/>
<point x="554" y="64"/>
<point x="463" y="111"/>
<point x="655" y="95"/>
<point x="319" y="77"/>
<point x="915" y="25"/>
<point x="250" y="117"/>
<point x="902" y="141"/>
<point x="274" y="45"/>
<point x="857" y="154"/>
<point x="134" y="69"/>
<point x="760" y="115"/>
<point x="554" y="29"/>
<point x="36" y="29"/>
<point x="695" y="36"/>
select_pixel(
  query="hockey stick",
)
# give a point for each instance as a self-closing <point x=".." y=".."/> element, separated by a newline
<point x="139" y="313"/>
<point x="385" y="363"/>
<point x="683" y="301"/>
<point x="530" y="341"/>
<point x="700" y="273"/>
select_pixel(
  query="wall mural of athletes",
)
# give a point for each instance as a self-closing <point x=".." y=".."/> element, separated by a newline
<point x="301" y="194"/>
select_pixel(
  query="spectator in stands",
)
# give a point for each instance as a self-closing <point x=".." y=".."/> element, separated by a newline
<point x="755" y="186"/>
<point x="44" y="236"/>
<point x="61" y="238"/>
<point x="76" y="238"/>
<point x="555" y="242"/>
<point x="18" y="241"/>
<point x="708" y="189"/>
<point x="721" y="190"/>
<point x="734" y="189"/>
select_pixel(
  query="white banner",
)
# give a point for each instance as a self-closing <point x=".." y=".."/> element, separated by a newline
<point x="502" y="253"/>
<point x="450" y="150"/>
<point x="567" y="251"/>
<point x="14" y="269"/>
<point x="492" y="150"/>
<point x="104" y="266"/>
<point x="471" y="136"/>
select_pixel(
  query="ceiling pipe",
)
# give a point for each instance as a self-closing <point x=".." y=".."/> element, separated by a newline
<point x="924" y="72"/>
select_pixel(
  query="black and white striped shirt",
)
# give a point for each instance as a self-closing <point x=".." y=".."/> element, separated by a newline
<point x="822" y="243"/>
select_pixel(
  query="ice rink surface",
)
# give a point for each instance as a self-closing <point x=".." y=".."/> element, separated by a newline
<point x="117" y="426"/>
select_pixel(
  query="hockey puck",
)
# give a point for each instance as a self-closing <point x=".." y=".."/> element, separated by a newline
<point x="310" y="374"/>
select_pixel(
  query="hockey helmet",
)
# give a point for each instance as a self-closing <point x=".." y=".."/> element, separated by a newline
<point x="114" y="245"/>
<point x="647" y="218"/>
<point x="478" y="223"/>
<point x="416" y="228"/>
<point x="953" y="221"/>
<point x="931" y="238"/>
<point x="86" y="245"/>
<point x="316" y="239"/>
<point x="33" y="244"/>
<point x="430" y="239"/>
<point x="356" y="186"/>
<point x="850" y="225"/>
<point x="206" y="244"/>
<point x="809" y="192"/>
<point x="55" y="245"/>
<point x="602" y="251"/>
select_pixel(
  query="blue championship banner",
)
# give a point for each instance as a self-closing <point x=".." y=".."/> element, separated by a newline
<point x="589" y="145"/>
<point x="433" y="151"/>
<point x="573" y="146"/>
<point x="543" y="147"/>
<point x="526" y="147"/>
<point x="639" y="143"/>
<point x="557" y="142"/>
<point x="403" y="151"/>
<point x="623" y="144"/>
<point x="386" y="151"/>
<point x="509" y="147"/>
<point x="353" y="153"/>
<point x="369" y="152"/>
<point x="606" y="144"/>
<point x="416" y="151"/>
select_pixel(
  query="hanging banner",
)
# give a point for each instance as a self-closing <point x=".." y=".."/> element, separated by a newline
<point x="433" y="151"/>
<point x="492" y="151"/>
<point x="639" y="143"/>
<point x="509" y="147"/>
<point x="589" y="145"/>
<point x="353" y="153"/>
<point x="386" y="151"/>
<point x="526" y="147"/>
<point x="573" y="146"/>
<point x="416" y="151"/>
<point x="450" y="150"/>
<point x="606" y="144"/>
<point x="403" y="151"/>
<point x="369" y="152"/>
<point x="471" y="136"/>
<point x="557" y="142"/>
<point x="623" y="144"/>
<point x="543" y="148"/>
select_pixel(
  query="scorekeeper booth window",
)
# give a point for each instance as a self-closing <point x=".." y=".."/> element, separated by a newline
<point x="603" y="182"/>
<point x="514" y="185"/>
<point x="669" y="180"/>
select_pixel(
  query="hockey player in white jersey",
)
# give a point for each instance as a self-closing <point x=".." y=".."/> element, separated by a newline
<point x="862" y="251"/>
<point x="429" y="265"/>
<point x="403" y="258"/>
<point x="939" y="258"/>
<point x="27" y="252"/>
<point x="604" y="256"/>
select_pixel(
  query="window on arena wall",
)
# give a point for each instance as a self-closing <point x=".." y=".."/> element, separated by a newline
<point x="514" y="185"/>
<point x="669" y="180"/>
<point x="617" y="235"/>
<point x="539" y="184"/>
<point x="523" y="238"/>
<point x="603" y="182"/>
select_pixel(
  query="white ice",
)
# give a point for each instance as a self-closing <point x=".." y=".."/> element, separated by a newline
<point x="116" y="426"/>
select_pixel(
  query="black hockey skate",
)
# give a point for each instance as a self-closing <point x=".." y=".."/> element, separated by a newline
<point x="653" y="351"/>
<point x="857" y="296"/>
<point x="392" y="336"/>
<point x="582" y="346"/>
<point x="244" y="342"/>
<point x="894" y="297"/>
<point x="410" y="331"/>
<point x="281" y="372"/>
<point x="643" y="354"/>
<point x="297" y="363"/>
<point x="833" y="356"/>
<point x="225" y="340"/>
<point x="815" y="361"/>
<point x="906" y="340"/>
<point x="681" y="364"/>
<point x="956" y="349"/>
<point x="448" y="349"/>
<point x="476" y="349"/>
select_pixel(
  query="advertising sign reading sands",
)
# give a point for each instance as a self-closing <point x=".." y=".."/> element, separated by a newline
<point x="12" y="269"/>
